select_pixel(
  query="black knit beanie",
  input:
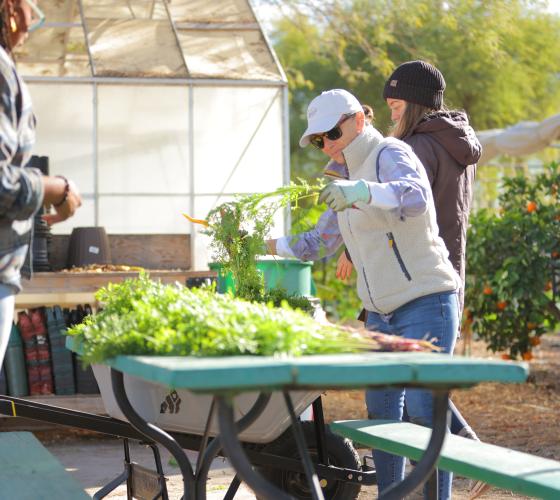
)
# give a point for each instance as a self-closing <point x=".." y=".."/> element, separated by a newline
<point x="418" y="82"/>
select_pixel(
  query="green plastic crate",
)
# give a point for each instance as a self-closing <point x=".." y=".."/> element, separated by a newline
<point x="292" y="275"/>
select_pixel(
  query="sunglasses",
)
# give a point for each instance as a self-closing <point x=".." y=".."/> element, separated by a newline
<point x="38" y="17"/>
<point x="333" y="134"/>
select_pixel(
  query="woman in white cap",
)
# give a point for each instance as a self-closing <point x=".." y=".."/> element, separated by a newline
<point x="448" y="148"/>
<point x="324" y="239"/>
<point x="386" y="216"/>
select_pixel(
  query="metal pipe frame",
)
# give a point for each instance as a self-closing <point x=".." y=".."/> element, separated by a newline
<point x="154" y="433"/>
<point x="237" y="457"/>
<point x="319" y="423"/>
<point x="313" y="479"/>
<point x="215" y="446"/>
<point x="196" y="82"/>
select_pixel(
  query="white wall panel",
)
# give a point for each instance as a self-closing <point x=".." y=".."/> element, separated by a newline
<point x="237" y="139"/>
<point x="143" y="139"/>
<point x="65" y="130"/>
<point x="143" y="214"/>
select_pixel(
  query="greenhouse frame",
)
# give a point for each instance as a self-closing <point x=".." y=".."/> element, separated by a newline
<point x="157" y="107"/>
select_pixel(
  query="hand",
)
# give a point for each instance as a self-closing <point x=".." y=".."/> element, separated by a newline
<point x="342" y="194"/>
<point x="344" y="267"/>
<point x="270" y="247"/>
<point x="72" y="201"/>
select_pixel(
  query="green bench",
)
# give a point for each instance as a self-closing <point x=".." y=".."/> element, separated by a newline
<point x="29" y="472"/>
<point x="500" y="467"/>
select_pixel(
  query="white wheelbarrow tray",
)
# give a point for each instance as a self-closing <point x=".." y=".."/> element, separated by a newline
<point x="185" y="412"/>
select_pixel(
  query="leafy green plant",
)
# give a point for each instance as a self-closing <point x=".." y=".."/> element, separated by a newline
<point x="238" y="230"/>
<point x="279" y="297"/>
<point x="513" y="265"/>
<point x="141" y="317"/>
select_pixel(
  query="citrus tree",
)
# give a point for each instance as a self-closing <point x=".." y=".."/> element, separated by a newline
<point x="513" y="265"/>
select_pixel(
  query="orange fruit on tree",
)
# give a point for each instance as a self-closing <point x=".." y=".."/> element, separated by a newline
<point x="531" y="207"/>
<point x="555" y="255"/>
<point x="534" y="341"/>
<point x="548" y="286"/>
<point x="487" y="290"/>
<point x="502" y="304"/>
<point x="527" y="356"/>
<point x="532" y="326"/>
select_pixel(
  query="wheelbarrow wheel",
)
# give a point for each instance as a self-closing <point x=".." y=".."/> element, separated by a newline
<point x="340" y="451"/>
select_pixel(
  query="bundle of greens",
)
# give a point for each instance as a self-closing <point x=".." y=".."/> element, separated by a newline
<point x="238" y="230"/>
<point x="145" y="317"/>
<point x="279" y="297"/>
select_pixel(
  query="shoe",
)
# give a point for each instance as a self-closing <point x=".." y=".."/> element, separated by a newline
<point x="468" y="433"/>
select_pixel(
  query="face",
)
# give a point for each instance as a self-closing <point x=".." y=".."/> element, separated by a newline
<point x="397" y="107"/>
<point x="25" y="15"/>
<point x="350" y="127"/>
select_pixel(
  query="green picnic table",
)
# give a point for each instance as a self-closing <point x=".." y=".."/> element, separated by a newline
<point x="228" y="376"/>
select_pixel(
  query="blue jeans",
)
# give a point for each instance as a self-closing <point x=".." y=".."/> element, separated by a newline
<point x="433" y="317"/>
<point x="7" y="303"/>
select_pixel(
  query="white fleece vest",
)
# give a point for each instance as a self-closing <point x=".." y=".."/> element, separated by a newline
<point x="396" y="259"/>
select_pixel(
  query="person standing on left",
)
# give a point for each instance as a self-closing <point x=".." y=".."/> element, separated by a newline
<point x="22" y="190"/>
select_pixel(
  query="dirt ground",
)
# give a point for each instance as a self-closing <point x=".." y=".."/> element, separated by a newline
<point x="524" y="417"/>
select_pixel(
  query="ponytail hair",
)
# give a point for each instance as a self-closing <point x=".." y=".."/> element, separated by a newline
<point x="368" y="113"/>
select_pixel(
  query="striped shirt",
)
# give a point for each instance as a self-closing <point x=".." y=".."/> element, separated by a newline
<point x="21" y="190"/>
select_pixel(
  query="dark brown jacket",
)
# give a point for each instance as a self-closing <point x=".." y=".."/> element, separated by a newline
<point x="448" y="148"/>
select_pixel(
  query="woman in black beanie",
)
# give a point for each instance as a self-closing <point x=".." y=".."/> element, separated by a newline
<point x="448" y="148"/>
<point x="445" y="143"/>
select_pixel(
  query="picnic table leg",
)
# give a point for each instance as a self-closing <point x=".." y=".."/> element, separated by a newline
<point x="238" y="458"/>
<point x="154" y="433"/>
<point x="121" y="478"/>
<point x="312" y="478"/>
<point x="215" y="446"/>
<point x="427" y="463"/>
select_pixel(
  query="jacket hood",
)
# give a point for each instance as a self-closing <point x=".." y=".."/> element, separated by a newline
<point x="452" y="131"/>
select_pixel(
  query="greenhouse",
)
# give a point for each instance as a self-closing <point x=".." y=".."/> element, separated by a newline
<point x="156" y="108"/>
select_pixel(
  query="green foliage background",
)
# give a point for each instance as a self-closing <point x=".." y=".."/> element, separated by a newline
<point x="499" y="57"/>
<point x="513" y="264"/>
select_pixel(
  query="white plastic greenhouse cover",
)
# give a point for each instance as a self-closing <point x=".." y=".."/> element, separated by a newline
<point x="149" y="38"/>
<point x="155" y="108"/>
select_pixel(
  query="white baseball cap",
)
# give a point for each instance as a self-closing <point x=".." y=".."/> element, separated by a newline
<point x="325" y="111"/>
